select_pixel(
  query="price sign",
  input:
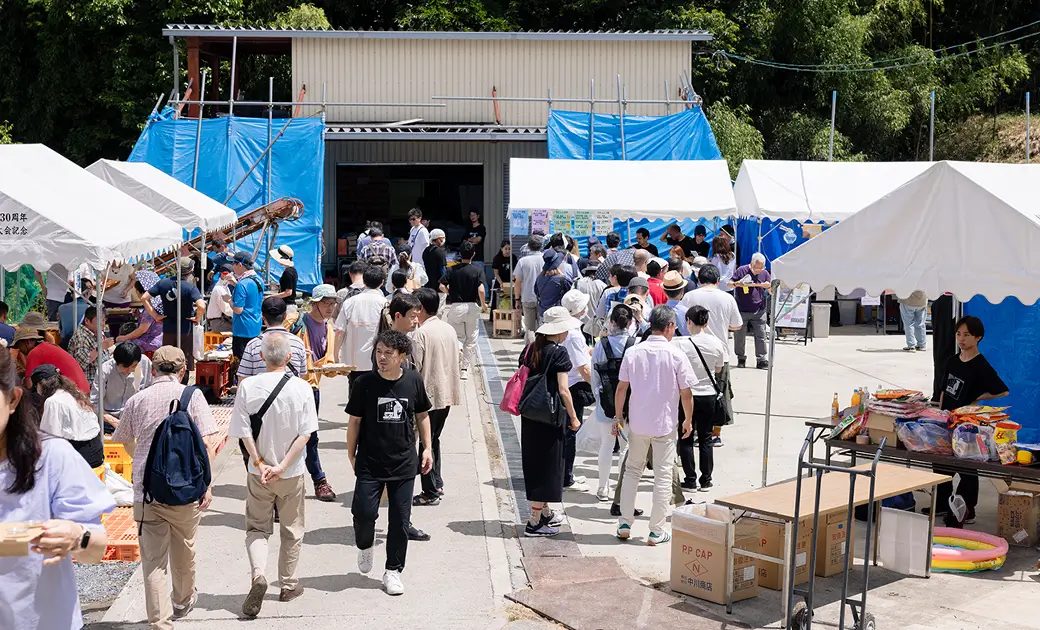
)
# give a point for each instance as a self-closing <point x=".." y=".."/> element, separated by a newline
<point x="583" y="223"/>
<point x="519" y="223"/>
<point x="540" y="221"/>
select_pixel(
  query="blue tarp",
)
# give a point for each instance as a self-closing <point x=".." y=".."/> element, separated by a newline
<point x="683" y="136"/>
<point x="228" y="148"/>
<point x="773" y="243"/>
<point x="1011" y="345"/>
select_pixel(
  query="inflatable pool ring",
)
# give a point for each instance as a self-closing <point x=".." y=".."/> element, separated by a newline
<point x="962" y="550"/>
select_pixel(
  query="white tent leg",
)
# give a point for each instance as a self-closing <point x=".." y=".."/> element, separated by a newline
<point x="202" y="262"/>
<point x="769" y="384"/>
<point x="178" y="314"/>
<point x="100" y="350"/>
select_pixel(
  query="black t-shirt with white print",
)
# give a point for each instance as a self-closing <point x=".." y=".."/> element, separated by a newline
<point x="386" y="439"/>
<point x="966" y="381"/>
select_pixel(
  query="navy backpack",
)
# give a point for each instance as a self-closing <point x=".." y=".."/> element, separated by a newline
<point x="177" y="469"/>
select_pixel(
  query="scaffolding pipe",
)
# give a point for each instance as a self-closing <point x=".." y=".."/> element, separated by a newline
<point x="313" y="103"/>
<point x="667" y="103"/>
<point x="592" y="119"/>
<point x="550" y="101"/>
<point x="267" y="174"/>
<point x="621" y="121"/>
<point x="324" y="88"/>
<point x="1028" y="129"/>
<point x="537" y="99"/>
<point x="258" y="160"/>
<point x="234" y="57"/>
<point x="198" y="137"/>
<point x="931" y="129"/>
<point x="834" y="109"/>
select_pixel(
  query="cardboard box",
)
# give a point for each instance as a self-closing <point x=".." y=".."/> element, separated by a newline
<point x="699" y="554"/>
<point x="15" y="537"/>
<point x="881" y="425"/>
<point x="771" y="543"/>
<point x="830" y="544"/>
<point x="1018" y="511"/>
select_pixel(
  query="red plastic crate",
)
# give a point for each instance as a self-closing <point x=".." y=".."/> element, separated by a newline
<point x="122" y="536"/>
<point x="213" y="374"/>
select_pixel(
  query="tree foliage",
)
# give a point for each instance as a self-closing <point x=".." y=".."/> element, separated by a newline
<point x="82" y="75"/>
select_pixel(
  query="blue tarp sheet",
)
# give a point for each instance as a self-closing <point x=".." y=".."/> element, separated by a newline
<point x="683" y="136"/>
<point x="773" y="243"/>
<point x="228" y="148"/>
<point x="656" y="227"/>
<point x="1011" y="345"/>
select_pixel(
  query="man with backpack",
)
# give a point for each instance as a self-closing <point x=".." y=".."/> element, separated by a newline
<point x="168" y="515"/>
<point x="274" y="417"/>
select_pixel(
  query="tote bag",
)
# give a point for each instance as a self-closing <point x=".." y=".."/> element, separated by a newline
<point x="515" y="389"/>
<point x="537" y="403"/>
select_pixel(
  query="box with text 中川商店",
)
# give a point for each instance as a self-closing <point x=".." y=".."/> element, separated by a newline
<point x="699" y="546"/>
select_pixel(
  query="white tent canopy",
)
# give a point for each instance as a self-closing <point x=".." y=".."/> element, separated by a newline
<point x="166" y="195"/>
<point x="64" y="215"/>
<point x="967" y="228"/>
<point x="817" y="191"/>
<point x="682" y="189"/>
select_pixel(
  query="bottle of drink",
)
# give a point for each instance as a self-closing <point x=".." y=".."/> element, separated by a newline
<point x="855" y="398"/>
<point x="835" y="411"/>
<point x="864" y="396"/>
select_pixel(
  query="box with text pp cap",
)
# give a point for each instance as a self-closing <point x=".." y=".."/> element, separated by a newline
<point x="699" y="554"/>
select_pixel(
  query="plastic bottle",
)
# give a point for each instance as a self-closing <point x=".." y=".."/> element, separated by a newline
<point x="835" y="408"/>
<point x="855" y="398"/>
<point x="864" y="396"/>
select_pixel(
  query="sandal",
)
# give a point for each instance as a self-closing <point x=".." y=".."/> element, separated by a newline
<point x="424" y="499"/>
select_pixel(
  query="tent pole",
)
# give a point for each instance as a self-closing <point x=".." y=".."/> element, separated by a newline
<point x="202" y="260"/>
<point x="621" y="117"/>
<point x="1028" y="141"/>
<point x="198" y="136"/>
<point x="179" y="308"/>
<point x="234" y="58"/>
<point x="769" y="381"/>
<point x="101" y="349"/>
<point x="834" y="109"/>
<point x="592" y="119"/>
<point x="3" y="285"/>
<point x="759" y="235"/>
<point x="931" y="129"/>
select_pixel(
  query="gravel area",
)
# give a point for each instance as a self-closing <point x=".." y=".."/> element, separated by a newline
<point x="101" y="583"/>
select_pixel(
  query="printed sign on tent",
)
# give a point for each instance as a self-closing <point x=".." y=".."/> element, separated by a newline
<point x="604" y="222"/>
<point x="870" y="300"/>
<point x="519" y="223"/>
<point x="583" y="223"/>
<point x="793" y="306"/>
<point x="540" y="221"/>
<point x="561" y="222"/>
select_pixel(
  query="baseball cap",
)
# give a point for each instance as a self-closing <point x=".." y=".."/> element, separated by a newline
<point x="187" y="266"/>
<point x="322" y="292"/>
<point x="593" y="241"/>
<point x="638" y="281"/>
<point x="244" y="259"/>
<point x="700" y="230"/>
<point x="225" y="268"/>
<point x="436" y="234"/>
<point x="43" y="372"/>
<point x="273" y="307"/>
<point x="168" y="359"/>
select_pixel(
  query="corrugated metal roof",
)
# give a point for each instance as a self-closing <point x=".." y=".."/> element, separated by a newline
<point x="214" y="30"/>
<point x="360" y="131"/>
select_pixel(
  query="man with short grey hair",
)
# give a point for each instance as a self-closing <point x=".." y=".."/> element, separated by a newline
<point x="659" y="376"/>
<point x="525" y="274"/>
<point x="274" y="417"/>
<point x="751" y="289"/>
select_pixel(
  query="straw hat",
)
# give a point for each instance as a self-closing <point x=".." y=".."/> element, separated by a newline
<point x="283" y="255"/>
<point x="557" y="320"/>
<point x="673" y="281"/>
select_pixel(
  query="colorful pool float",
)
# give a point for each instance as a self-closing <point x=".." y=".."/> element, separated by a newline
<point x="962" y="550"/>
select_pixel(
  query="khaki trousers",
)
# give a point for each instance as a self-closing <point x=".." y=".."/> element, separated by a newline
<point x="261" y="500"/>
<point x="167" y="543"/>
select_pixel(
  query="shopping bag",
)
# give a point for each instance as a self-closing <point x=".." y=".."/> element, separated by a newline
<point x="120" y="489"/>
<point x="588" y="438"/>
<point x="198" y="342"/>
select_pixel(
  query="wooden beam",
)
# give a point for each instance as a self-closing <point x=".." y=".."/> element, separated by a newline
<point x="193" y="71"/>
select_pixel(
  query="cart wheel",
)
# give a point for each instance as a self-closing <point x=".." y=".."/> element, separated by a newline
<point x="867" y="622"/>
<point x="800" y="617"/>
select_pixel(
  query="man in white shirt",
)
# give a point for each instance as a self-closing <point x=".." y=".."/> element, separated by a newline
<point x="578" y="380"/>
<point x="418" y="236"/>
<point x="723" y="316"/>
<point x="358" y="322"/>
<point x="525" y="274"/>
<point x="274" y="416"/>
<point x="218" y="312"/>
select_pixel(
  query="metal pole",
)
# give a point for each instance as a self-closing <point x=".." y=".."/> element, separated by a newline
<point x="258" y="160"/>
<point x="769" y="385"/>
<point x="592" y="119"/>
<point x="202" y="261"/>
<point x="303" y="103"/>
<point x="1028" y="129"/>
<point x="198" y="136"/>
<point x="267" y="174"/>
<point x="931" y="129"/>
<point x="834" y="110"/>
<point x="323" y="91"/>
<point x="179" y="308"/>
<point x="231" y="100"/>
<point x="99" y="318"/>
<point x="3" y="284"/>
<point x="621" y="117"/>
<point x="176" y="69"/>
<point x="550" y="102"/>
<point x="667" y="103"/>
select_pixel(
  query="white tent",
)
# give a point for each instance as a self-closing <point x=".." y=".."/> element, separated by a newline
<point x="817" y="191"/>
<point x="166" y="195"/>
<point x="681" y="189"/>
<point x="52" y="211"/>
<point x="966" y="228"/>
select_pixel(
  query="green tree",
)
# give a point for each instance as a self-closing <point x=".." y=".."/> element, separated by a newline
<point x="737" y="137"/>
<point x="6" y="135"/>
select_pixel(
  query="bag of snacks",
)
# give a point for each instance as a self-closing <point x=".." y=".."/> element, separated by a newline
<point x="974" y="442"/>
<point x="925" y="437"/>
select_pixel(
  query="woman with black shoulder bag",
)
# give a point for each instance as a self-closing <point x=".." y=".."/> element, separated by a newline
<point x="707" y="355"/>
<point x="546" y="411"/>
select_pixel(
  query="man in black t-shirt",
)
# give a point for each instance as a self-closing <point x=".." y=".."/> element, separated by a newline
<point x="283" y="255"/>
<point x="674" y="236"/>
<point x="475" y="235"/>
<point x="385" y="407"/>
<point x="193" y="309"/>
<point x="643" y="242"/>
<point x="464" y="284"/>
<point x="434" y="260"/>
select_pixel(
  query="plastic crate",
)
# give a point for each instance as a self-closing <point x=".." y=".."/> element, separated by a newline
<point x="100" y="472"/>
<point x="121" y="528"/>
<point x="119" y="460"/>
<point x="212" y="374"/>
<point x="211" y="340"/>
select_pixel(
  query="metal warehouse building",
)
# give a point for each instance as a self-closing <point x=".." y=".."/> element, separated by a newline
<point x="428" y="118"/>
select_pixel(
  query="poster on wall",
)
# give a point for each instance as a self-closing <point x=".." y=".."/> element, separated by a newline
<point x="811" y="230"/>
<point x="519" y="223"/>
<point x="583" y="223"/>
<point x="561" y="222"/>
<point x="540" y="221"/>
<point x="603" y="222"/>
<point x="793" y="306"/>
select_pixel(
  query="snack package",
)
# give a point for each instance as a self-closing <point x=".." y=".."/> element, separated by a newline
<point x="925" y="437"/>
<point x="1004" y="438"/>
<point x="973" y="442"/>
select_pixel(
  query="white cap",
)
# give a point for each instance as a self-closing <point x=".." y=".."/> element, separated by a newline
<point x="436" y="234"/>
<point x="323" y="291"/>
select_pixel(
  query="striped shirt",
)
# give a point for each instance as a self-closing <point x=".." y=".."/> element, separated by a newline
<point x="252" y="363"/>
<point x="614" y="257"/>
<point x="379" y="247"/>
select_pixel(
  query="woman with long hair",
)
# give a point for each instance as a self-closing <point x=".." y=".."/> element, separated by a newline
<point x="416" y="275"/>
<point x="148" y="333"/>
<point x="67" y="414"/>
<point x="606" y="367"/>
<point x="677" y="252"/>
<point x="46" y="491"/>
<point x="542" y="445"/>
<point x="724" y="260"/>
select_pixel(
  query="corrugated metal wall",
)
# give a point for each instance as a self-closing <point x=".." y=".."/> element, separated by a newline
<point x="493" y="155"/>
<point x="414" y="70"/>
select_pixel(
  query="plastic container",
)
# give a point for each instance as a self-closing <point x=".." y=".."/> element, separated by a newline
<point x="903" y="544"/>
<point x="821" y="320"/>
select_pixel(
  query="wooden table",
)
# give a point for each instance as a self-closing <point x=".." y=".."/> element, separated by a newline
<point x="778" y="502"/>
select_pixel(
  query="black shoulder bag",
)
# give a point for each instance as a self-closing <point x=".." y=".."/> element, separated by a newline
<point x="719" y="418"/>
<point x="256" y="420"/>
<point x="536" y="402"/>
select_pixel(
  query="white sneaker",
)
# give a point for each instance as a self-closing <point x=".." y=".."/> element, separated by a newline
<point x="364" y="560"/>
<point x="392" y="583"/>
<point x="603" y="494"/>
<point x="580" y="479"/>
<point x="464" y="375"/>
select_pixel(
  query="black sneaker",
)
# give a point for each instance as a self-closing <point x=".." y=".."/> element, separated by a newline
<point x="417" y="535"/>
<point x="615" y="510"/>
<point x="688" y="485"/>
<point x="741" y="363"/>
<point x="541" y="530"/>
<point x="705" y="486"/>
<point x="762" y="365"/>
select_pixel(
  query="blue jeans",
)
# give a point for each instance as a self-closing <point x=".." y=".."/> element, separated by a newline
<point x="311" y="456"/>
<point x="913" y="322"/>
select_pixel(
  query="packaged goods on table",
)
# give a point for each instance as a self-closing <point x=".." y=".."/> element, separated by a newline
<point x="973" y="442"/>
<point x="925" y="437"/>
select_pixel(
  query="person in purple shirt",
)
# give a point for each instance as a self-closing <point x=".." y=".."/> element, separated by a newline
<point x="751" y="284"/>
<point x="44" y="482"/>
